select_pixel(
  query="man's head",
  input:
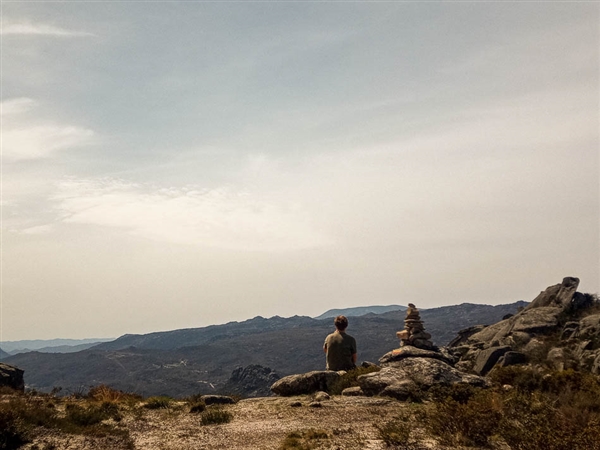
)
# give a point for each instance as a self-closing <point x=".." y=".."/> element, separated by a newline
<point x="341" y="323"/>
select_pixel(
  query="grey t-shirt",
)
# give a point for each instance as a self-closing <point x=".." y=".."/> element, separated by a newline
<point x="340" y="348"/>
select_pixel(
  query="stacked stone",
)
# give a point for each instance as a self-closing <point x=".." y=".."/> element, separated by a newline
<point x="414" y="332"/>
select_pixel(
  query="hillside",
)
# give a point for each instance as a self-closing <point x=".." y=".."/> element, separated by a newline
<point x="184" y="362"/>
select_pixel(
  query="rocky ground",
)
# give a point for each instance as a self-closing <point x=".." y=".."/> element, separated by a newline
<point x="260" y="423"/>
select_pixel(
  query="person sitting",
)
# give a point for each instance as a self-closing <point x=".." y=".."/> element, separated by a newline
<point x="340" y="347"/>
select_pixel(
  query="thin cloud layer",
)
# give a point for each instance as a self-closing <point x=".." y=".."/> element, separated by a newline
<point x="27" y="137"/>
<point x="220" y="218"/>
<point x="25" y="28"/>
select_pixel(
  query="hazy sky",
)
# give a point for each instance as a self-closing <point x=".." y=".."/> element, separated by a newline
<point x="179" y="164"/>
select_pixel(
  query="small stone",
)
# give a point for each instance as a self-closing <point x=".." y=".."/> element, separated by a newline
<point x="321" y="396"/>
<point x="404" y="334"/>
<point x="352" y="391"/>
<point x="315" y="405"/>
<point x="295" y="404"/>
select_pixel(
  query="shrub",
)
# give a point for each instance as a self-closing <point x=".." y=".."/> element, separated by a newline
<point x="214" y="416"/>
<point x="103" y="393"/>
<point x="12" y="435"/>
<point x="197" y="407"/>
<point x="160" y="402"/>
<point x="535" y="422"/>
<point x="459" y="392"/>
<point x="522" y="378"/>
<point x="395" y="433"/>
<point x="350" y="379"/>
<point x="297" y="440"/>
<point x="472" y="423"/>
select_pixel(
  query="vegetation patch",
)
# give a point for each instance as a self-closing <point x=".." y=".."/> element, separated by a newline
<point x="103" y="393"/>
<point x="214" y="416"/>
<point x="551" y="411"/>
<point x="396" y="433"/>
<point x="303" y="440"/>
<point x="22" y="414"/>
<point x="160" y="402"/>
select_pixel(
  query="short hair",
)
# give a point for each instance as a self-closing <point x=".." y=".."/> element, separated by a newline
<point x="341" y="322"/>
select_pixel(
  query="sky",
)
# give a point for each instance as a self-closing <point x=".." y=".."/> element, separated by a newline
<point x="173" y="164"/>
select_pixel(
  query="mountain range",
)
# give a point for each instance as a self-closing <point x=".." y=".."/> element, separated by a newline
<point x="201" y="360"/>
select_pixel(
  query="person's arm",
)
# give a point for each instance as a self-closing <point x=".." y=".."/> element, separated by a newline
<point x="354" y="358"/>
<point x="325" y="345"/>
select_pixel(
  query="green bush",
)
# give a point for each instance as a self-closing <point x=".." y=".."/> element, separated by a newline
<point x="214" y="416"/>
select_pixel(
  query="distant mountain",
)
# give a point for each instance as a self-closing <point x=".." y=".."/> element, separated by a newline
<point x="3" y="354"/>
<point x="201" y="360"/>
<point x="50" y="345"/>
<point x="360" y="311"/>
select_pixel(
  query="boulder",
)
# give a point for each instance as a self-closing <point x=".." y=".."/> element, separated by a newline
<point x="423" y="372"/>
<point x="306" y="383"/>
<point x="322" y="396"/>
<point x="596" y="364"/>
<point x="589" y="327"/>
<point x="559" y="295"/>
<point x="556" y="358"/>
<point x="12" y="377"/>
<point x="464" y="335"/>
<point x="403" y="390"/>
<point x="488" y="358"/>
<point x="538" y="320"/>
<point x="512" y="358"/>
<point x="569" y="330"/>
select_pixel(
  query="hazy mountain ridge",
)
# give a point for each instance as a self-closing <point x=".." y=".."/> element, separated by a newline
<point x="360" y="311"/>
<point x="50" y="345"/>
<point x="200" y="360"/>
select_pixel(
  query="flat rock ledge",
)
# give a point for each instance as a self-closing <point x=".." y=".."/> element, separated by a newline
<point x="409" y="351"/>
<point x="398" y="379"/>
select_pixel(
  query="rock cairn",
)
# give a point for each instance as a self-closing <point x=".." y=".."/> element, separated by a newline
<point x="414" y="332"/>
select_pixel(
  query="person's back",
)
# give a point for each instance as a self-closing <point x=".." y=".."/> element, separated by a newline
<point x="340" y="347"/>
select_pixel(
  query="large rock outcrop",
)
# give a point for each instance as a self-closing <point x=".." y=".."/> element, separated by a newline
<point x="524" y="337"/>
<point x="398" y="377"/>
<point x="11" y="377"/>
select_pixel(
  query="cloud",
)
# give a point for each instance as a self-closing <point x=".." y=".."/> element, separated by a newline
<point x="26" y="137"/>
<point x="38" y="29"/>
<point x="221" y="218"/>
